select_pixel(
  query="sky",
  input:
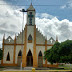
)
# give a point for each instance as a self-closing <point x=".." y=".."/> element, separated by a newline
<point x="53" y="17"/>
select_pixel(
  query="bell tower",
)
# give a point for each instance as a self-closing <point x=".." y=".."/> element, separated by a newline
<point x="31" y="15"/>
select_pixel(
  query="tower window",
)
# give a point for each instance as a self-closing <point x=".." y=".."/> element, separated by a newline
<point x="30" y="18"/>
<point x="30" y="12"/>
<point x="30" y="39"/>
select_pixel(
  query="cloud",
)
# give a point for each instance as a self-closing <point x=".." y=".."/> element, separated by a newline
<point x="49" y="25"/>
<point x="10" y="20"/>
<point x="44" y="15"/>
<point x="68" y="5"/>
<point x="53" y="27"/>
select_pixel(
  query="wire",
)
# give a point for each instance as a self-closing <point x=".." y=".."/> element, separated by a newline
<point x="33" y="5"/>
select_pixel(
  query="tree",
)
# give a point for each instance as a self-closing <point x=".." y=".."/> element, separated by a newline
<point x="52" y="55"/>
<point x="65" y="51"/>
<point x="60" y="52"/>
<point x="1" y="54"/>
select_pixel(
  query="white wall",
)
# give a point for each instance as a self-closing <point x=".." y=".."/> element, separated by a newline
<point x="39" y="38"/>
<point x="42" y="49"/>
<point x="18" y="48"/>
<point x="19" y="38"/>
<point x="49" y="47"/>
<point x="9" y="49"/>
<point x="30" y="30"/>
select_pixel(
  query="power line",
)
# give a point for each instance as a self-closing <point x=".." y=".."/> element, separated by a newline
<point x="29" y="5"/>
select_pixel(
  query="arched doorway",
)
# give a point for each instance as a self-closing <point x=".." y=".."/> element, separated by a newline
<point x="19" y="58"/>
<point x="29" y="59"/>
<point x="40" y="59"/>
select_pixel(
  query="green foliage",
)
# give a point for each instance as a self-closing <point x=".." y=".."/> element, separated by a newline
<point x="1" y="54"/>
<point x="60" y="52"/>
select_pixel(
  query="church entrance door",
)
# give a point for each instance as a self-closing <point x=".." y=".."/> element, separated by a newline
<point x="29" y="59"/>
<point x="40" y="59"/>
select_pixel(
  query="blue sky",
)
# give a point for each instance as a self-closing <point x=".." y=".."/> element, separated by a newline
<point x="52" y="20"/>
<point x="65" y="13"/>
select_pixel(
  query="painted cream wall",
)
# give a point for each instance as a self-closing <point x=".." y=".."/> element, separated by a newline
<point x="30" y="30"/>
<point x="18" y="48"/>
<point x="49" y="47"/>
<point x="39" y="38"/>
<point x="19" y="38"/>
<point x="42" y="49"/>
<point x="9" y="49"/>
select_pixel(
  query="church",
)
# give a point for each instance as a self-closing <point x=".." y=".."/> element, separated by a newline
<point x="30" y="52"/>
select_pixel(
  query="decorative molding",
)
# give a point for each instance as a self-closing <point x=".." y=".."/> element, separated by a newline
<point x="24" y="50"/>
<point x="29" y="41"/>
<point x="44" y="45"/>
<point x="3" y="49"/>
<point x="49" y="65"/>
<point x="34" y="50"/>
<point x="46" y="50"/>
<point x="13" y="44"/>
<point x="14" y="50"/>
<point x="5" y="64"/>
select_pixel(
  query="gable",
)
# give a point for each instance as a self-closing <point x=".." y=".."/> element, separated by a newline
<point x="51" y="41"/>
<point x="9" y="40"/>
<point x="19" y="37"/>
<point x="40" y="39"/>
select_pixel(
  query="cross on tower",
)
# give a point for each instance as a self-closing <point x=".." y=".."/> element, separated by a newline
<point x="51" y="40"/>
<point x="30" y="18"/>
<point x="9" y="39"/>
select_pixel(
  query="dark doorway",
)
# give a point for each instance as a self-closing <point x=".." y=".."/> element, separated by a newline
<point x="40" y="59"/>
<point x="29" y="59"/>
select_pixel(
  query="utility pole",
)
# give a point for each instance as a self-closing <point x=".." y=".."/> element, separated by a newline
<point x="23" y="10"/>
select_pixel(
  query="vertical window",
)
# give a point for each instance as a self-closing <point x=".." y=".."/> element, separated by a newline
<point x="40" y="53"/>
<point x="20" y="53"/>
<point x="8" y="57"/>
<point x="30" y="39"/>
<point x="30" y="18"/>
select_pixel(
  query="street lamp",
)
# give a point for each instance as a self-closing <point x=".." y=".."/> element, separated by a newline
<point x="23" y="10"/>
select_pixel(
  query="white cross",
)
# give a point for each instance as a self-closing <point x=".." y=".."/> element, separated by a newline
<point x="9" y="39"/>
<point x="51" y="40"/>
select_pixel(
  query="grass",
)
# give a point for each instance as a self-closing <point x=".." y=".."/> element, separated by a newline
<point x="66" y="67"/>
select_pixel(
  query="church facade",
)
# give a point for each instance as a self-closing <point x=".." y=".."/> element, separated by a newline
<point x="28" y="49"/>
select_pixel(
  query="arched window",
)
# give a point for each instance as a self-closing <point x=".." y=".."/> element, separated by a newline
<point x="40" y="53"/>
<point x="20" y="53"/>
<point x="40" y="59"/>
<point x="8" y="57"/>
<point x="30" y="39"/>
